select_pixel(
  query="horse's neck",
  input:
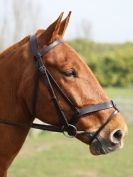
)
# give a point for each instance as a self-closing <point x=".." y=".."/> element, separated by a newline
<point x="12" y="107"/>
<point x="11" y="70"/>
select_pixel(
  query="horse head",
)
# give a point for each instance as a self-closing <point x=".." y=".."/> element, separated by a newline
<point x="80" y="86"/>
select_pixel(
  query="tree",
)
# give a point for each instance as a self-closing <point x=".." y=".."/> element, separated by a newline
<point x="18" y="19"/>
<point x="111" y="63"/>
<point x="26" y="17"/>
<point x="4" y="30"/>
<point x="84" y="30"/>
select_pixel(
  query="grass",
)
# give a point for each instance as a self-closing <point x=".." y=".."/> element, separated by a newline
<point x="53" y="155"/>
<point x="119" y="92"/>
<point x="123" y="97"/>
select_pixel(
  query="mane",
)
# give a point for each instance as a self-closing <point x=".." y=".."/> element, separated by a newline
<point x="19" y="43"/>
<point x="13" y="47"/>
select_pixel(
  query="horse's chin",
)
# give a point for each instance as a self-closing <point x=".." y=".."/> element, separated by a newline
<point x="101" y="147"/>
<point x="98" y="150"/>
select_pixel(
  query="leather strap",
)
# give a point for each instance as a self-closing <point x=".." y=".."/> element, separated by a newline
<point x="44" y="74"/>
<point x="94" y="108"/>
<point x="43" y="51"/>
<point x="96" y="134"/>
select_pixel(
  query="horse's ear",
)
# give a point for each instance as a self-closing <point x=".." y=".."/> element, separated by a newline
<point x="51" y="33"/>
<point x="64" y="25"/>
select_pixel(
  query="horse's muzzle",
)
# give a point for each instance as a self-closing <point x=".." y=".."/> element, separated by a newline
<point x="101" y="146"/>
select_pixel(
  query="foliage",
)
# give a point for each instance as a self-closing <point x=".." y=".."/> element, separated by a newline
<point x="111" y="63"/>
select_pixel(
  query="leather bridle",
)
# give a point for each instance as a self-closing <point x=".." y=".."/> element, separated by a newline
<point x="68" y="127"/>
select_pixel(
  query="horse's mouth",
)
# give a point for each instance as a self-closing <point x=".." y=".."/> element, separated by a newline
<point x="101" y="146"/>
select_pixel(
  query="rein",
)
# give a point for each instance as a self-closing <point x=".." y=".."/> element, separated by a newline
<point x="68" y="127"/>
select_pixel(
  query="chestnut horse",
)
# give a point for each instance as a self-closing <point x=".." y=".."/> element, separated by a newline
<point x="42" y="76"/>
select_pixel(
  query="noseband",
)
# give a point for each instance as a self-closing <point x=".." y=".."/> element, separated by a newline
<point x="68" y="127"/>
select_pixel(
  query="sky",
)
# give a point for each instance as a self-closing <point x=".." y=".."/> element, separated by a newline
<point x="110" y="20"/>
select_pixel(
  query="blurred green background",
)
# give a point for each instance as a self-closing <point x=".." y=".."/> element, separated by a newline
<point x="111" y="63"/>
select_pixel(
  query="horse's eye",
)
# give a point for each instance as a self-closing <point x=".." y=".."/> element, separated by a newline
<point x="70" y="72"/>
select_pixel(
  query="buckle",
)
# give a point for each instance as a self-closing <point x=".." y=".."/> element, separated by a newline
<point x="70" y="131"/>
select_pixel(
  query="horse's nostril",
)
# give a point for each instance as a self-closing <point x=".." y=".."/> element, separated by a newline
<point x="116" y="136"/>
